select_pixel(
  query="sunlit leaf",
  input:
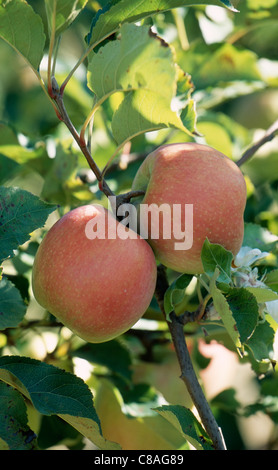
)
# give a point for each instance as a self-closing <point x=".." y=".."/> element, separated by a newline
<point x="29" y="39"/>
<point x="66" y="12"/>
<point x="127" y="11"/>
<point x="54" y="391"/>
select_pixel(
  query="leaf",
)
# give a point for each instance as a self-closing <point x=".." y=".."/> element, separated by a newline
<point x="22" y="28"/>
<point x="238" y="310"/>
<point x="214" y="65"/>
<point x="20" y="214"/>
<point x="12" y="306"/>
<point x="14" y="429"/>
<point x="244" y="308"/>
<point x="216" y="256"/>
<point x="256" y="236"/>
<point x="143" y="111"/>
<point x="66" y="12"/>
<point x="271" y="279"/>
<point x="54" y="391"/>
<point x="176" y="292"/>
<point x="143" y="67"/>
<point x="139" y="59"/>
<point x="262" y="294"/>
<point x="186" y="423"/>
<point x="261" y="343"/>
<point x="222" y="307"/>
<point x="7" y="168"/>
<point x="127" y="11"/>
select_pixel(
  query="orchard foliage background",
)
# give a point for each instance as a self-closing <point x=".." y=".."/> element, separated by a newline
<point x="220" y="87"/>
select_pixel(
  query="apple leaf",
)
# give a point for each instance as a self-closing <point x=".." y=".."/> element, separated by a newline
<point x="142" y="66"/>
<point x="238" y="310"/>
<point x="216" y="256"/>
<point x="14" y="429"/>
<point x="176" y="292"/>
<point x="124" y="11"/>
<point x="222" y="307"/>
<point x="134" y="61"/>
<point x="271" y="279"/>
<point x="143" y="111"/>
<point x="12" y="306"/>
<point x="245" y="311"/>
<point x="262" y="294"/>
<point x="256" y="236"/>
<point x="215" y="65"/>
<point x="187" y="424"/>
<point x="66" y="12"/>
<point x="261" y="343"/>
<point x="22" y="28"/>
<point x="20" y="214"/>
<point x="54" y="391"/>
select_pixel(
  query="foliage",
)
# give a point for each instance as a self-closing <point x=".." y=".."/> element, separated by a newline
<point x="146" y="73"/>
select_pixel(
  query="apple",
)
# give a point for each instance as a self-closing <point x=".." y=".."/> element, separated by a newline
<point x="96" y="286"/>
<point x="196" y="176"/>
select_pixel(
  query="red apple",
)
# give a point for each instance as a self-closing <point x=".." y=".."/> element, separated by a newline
<point x="97" y="287"/>
<point x="196" y="176"/>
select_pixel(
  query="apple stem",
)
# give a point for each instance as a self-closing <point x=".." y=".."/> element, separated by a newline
<point x="188" y="374"/>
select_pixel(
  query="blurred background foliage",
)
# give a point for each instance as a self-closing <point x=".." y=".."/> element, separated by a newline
<point x="233" y="62"/>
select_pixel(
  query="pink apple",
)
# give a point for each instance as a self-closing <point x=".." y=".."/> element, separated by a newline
<point x="97" y="287"/>
<point x="196" y="176"/>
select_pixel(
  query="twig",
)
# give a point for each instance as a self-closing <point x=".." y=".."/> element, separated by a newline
<point x="187" y="371"/>
<point x="267" y="137"/>
<point x="57" y="96"/>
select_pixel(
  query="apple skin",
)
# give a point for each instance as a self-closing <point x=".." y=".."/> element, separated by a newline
<point x="191" y="173"/>
<point x="98" y="288"/>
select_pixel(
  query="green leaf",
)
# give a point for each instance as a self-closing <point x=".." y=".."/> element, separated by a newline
<point x="271" y="279"/>
<point x="262" y="294"/>
<point x="244" y="308"/>
<point x="12" y="306"/>
<point x="143" y="67"/>
<point x="261" y="343"/>
<point x="143" y="111"/>
<point x="238" y="310"/>
<point x="54" y="391"/>
<point x="256" y="236"/>
<point x="22" y="28"/>
<point x="66" y="12"/>
<point x="126" y="11"/>
<point x="14" y="429"/>
<point x="214" y="65"/>
<point x="216" y="256"/>
<point x="176" y="292"/>
<point x="8" y="168"/>
<point x="137" y="60"/>
<point x="187" y="424"/>
<point x="20" y="214"/>
<point x="222" y="307"/>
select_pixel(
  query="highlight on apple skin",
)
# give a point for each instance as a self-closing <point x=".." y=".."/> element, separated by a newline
<point x="198" y="175"/>
<point x="98" y="288"/>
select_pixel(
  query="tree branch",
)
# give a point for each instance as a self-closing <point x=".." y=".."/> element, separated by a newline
<point x="267" y="137"/>
<point x="187" y="371"/>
